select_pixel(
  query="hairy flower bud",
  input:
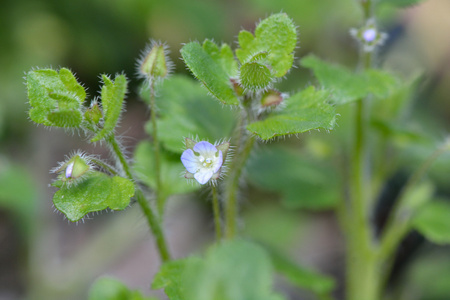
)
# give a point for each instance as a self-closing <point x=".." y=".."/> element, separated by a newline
<point x="154" y="62"/>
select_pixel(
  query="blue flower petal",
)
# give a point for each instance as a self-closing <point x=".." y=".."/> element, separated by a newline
<point x="205" y="148"/>
<point x="190" y="161"/>
<point x="219" y="162"/>
<point x="203" y="176"/>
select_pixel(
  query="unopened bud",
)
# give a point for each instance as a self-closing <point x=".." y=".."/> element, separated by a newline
<point x="154" y="62"/>
<point x="271" y="98"/>
<point x="93" y="114"/>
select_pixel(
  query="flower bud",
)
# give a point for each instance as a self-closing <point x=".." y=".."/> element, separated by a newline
<point x="93" y="114"/>
<point x="73" y="170"/>
<point x="271" y="98"/>
<point x="369" y="36"/>
<point x="154" y="62"/>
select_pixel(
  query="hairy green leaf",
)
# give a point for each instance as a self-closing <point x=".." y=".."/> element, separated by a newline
<point x="308" y="185"/>
<point x="56" y="98"/>
<point x="433" y="221"/>
<point x="303" y="111"/>
<point x="275" y="35"/>
<point x="196" y="114"/>
<point x="106" y="288"/>
<point x="96" y="192"/>
<point x="170" y="278"/>
<point x="212" y="68"/>
<point x="347" y="86"/>
<point x="113" y="95"/>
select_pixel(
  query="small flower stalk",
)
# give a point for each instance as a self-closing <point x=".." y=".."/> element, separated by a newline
<point x="154" y="63"/>
<point x="204" y="161"/>
<point x="369" y="36"/>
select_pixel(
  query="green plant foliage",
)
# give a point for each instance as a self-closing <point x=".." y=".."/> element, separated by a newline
<point x="106" y="288"/>
<point x="308" y="185"/>
<point x="347" y="86"/>
<point x="233" y="270"/>
<point x="255" y="76"/>
<point x="172" y="182"/>
<point x="319" y="284"/>
<point x="170" y="278"/>
<point x="211" y="68"/>
<point x="304" y="111"/>
<point x="96" y="192"/>
<point x="223" y="56"/>
<point x="56" y="98"/>
<point x="275" y="35"/>
<point x="113" y="95"/>
<point x="195" y="114"/>
<point x="433" y="221"/>
<point x="400" y="3"/>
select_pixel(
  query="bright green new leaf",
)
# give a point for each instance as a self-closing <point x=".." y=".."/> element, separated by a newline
<point x="212" y="68"/>
<point x="275" y="35"/>
<point x="172" y="182"/>
<point x="106" y="288"/>
<point x="196" y="114"/>
<point x="113" y="95"/>
<point x="223" y="56"/>
<point x="304" y="111"/>
<point x="400" y="3"/>
<point x="433" y="221"/>
<point x="319" y="284"/>
<point x="347" y="86"/>
<point x="56" y="99"/>
<point x="302" y="182"/>
<point x="96" y="192"/>
<point x="255" y="76"/>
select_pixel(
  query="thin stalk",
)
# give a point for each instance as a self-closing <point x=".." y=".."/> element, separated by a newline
<point x="216" y="210"/>
<point x="233" y="185"/>
<point x="152" y="220"/>
<point x="157" y="157"/>
<point x="104" y="166"/>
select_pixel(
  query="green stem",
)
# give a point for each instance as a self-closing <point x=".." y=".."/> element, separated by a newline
<point x="152" y="220"/>
<point x="104" y="166"/>
<point x="216" y="210"/>
<point x="233" y="185"/>
<point x="157" y="157"/>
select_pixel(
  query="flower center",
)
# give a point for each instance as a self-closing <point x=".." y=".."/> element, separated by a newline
<point x="206" y="162"/>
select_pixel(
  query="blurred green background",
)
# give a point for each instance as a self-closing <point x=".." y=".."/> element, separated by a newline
<point x="42" y="256"/>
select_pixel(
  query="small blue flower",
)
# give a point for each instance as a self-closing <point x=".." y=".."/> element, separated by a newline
<point x="203" y="161"/>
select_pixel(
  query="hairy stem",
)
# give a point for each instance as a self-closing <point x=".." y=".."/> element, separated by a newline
<point x="160" y="201"/>
<point x="152" y="220"/>
<point x="216" y="210"/>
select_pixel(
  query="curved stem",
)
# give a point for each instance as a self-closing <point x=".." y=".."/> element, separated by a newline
<point x="216" y="210"/>
<point x="104" y="166"/>
<point x="152" y="220"/>
<point x="157" y="157"/>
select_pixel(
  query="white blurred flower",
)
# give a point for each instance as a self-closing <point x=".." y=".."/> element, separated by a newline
<point x="204" y="161"/>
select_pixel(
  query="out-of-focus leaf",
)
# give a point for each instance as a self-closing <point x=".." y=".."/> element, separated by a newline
<point x="106" y="288"/>
<point x="400" y="3"/>
<point x="433" y="221"/>
<point x="275" y="35"/>
<point x="55" y="98"/>
<point x="196" y="114"/>
<point x="347" y="86"/>
<point x="96" y="192"/>
<point x="172" y="182"/>
<point x="301" y="182"/>
<point x="113" y="95"/>
<point x="170" y="278"/>
<point x="304" y="111"/>
<point x="211" y="69"/>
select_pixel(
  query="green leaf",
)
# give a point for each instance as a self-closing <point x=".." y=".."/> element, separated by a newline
<point x="96" y="192"/>
<point x="308" y="185"/>
<point x="303" y="111"/>
<point x="106" y="288"/>
<point x="433" y="221"/>
<point x="255" y="76"/>
<point x="400" y="3"/>
<point x="172" y="182"/>
<point x="223" y="56"/>
<point x="212" y="69"/>
<point x="56" y="99"/>
<point x="196" y="114"/>
<point x="347" y="86"/>
<point x="301" y="277"/>
<point x="275" y="35"/>
<point x="170" y="278"/>
<point x="113" y="95"/>
<point x="233" y="270"/>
